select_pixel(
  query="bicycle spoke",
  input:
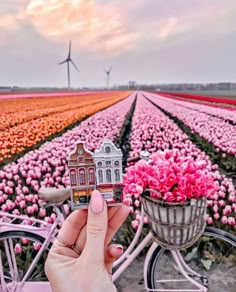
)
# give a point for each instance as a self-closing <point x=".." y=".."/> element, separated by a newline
<point x="22" y="259"/>
<point x="211" y="262"/>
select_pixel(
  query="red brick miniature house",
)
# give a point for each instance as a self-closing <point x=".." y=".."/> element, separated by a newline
<point x="101" y="170"/>
<point x="82" y="174"/>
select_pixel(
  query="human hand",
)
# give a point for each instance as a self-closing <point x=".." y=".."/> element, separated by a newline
<point x="87" y="266"/>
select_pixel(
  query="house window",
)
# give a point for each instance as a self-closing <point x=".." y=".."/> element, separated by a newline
<point x="73" y="177"/>
<point x="80" y="160"/>
<point x="116" y="163"/>
<point x="108" y="175"/>
<point x="82" y="180"/>
<point x="100" y="176"/>
<point x="99" y="164"/>
<point x="108" y="163"/>
<point x="117" y="175"/>
<point x="107" y="149"/>
<point x="91" y="176"/>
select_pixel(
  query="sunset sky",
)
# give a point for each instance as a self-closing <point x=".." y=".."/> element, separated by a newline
<point x="149" y="41"/>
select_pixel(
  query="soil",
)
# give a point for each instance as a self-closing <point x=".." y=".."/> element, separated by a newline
<point x="132" y="278"/>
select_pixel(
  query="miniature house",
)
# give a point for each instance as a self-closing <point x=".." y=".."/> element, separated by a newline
<point x="82" y="174"/>
<point x="101" y="170"/>
<point x="108" y="160"/>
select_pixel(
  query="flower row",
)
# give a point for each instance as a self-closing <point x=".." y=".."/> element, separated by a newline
<point x="47" y="166"/>
<point x="216" y="131"/>
<point x="152" y="130"/>
<point x="15" y="112"/>
<point x="204" y="98"/>
<point x="21" y="137"/>
<point x="227" y="114"/>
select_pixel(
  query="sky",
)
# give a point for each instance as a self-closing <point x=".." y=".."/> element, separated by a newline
<point x="148" y="41"/>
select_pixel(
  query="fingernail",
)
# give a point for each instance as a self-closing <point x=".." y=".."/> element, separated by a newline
<point x="96" y="202"/>
<point x="118" y="246"/>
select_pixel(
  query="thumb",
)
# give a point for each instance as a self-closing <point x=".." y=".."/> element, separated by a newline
<point x="96" y="226"/>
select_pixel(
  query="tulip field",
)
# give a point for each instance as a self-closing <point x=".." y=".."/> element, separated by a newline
<point x="38" y="133"/>
<point x="25" y="122"/>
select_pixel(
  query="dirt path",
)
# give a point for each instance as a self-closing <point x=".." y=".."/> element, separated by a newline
<point x="132" y="278"/>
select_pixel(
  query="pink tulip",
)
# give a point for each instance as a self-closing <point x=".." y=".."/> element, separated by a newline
<point x="18" y="248"/>
<point x="16" y="212"/>
<point x="227" y="210"/>
<point x="231" y="221"/>
<point x="131" y="209"/>
<point x="4" y="208"/>
<point x="37" y="246"/>
<point x="216" y="216"/>
<point x="145" y="220"/>
<point x="137" y="203"/>
<point x="30" y="210"/>
<point x="222" y="203"/>
<point x="135" y="224"/>
<point x="22" y="204"/>
<point x="42" y="212"/>
<point x="209" y="221"/>
<point x="224" y="220"/>
<point x="25" y="241"/>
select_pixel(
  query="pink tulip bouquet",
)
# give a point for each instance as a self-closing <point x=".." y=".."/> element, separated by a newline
<point x="170" y="177"/>
<point x="174" y="189"/>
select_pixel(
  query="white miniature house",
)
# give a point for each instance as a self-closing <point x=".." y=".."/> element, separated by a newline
<point x="108" y="161"/>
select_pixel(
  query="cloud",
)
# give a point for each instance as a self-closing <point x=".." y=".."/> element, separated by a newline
<point x="168" y="28"/>
<point x="93" y="27"/>
<point x="108" y="28"/>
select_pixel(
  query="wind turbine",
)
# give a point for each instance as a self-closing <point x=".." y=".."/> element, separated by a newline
<point x="108" y="76"/>
<point x="68" y="60"/>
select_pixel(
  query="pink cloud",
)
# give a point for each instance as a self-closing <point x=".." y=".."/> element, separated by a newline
<point x="93" y="27"/>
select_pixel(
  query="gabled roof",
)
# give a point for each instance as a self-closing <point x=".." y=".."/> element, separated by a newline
<point x="101" y="152"/>
<point x="77" y="146"/>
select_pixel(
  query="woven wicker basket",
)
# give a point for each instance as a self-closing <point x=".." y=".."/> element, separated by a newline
<point x="175" y="225"/>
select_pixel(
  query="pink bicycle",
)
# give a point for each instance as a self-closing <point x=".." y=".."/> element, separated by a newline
<point x="209" y="265"/>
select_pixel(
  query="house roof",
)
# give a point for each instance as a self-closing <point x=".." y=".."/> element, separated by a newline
<point x="101" y="152"/>
<point x="78" y="145"/>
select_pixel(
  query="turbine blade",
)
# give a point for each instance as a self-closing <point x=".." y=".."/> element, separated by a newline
<point x="110" y="69"/>
<point x="62" y="62"/>
<point x="105" y="70"/>
<point x="69" y="50"/>
<point x="74" y="65"/>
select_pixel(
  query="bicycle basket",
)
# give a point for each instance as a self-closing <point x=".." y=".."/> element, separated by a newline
<point x="175" y="225"/>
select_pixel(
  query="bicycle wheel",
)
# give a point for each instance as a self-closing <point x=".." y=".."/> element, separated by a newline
<point x="213" y="257"/>
<point x="18" y="250"/>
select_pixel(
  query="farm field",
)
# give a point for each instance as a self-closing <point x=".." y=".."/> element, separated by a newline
<point x="133" y="120"/>
<point x="28" y="121"/>
<point x="38" y="133"/>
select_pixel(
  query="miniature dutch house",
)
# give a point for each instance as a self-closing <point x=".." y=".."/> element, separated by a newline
<point x="101" y="170"/>
<point x="82" y="175"/>
<point x="108" y="160"/>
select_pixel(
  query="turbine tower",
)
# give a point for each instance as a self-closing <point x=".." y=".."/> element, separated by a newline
<point x="108" y="76"/>
<point x="68" y="60"/>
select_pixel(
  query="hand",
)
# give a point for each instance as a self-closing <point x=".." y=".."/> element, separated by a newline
<point x="86" y="267"/>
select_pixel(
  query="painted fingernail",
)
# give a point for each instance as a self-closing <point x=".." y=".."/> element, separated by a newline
<point x="118" y="246"/>
<point x="96" y="202"/>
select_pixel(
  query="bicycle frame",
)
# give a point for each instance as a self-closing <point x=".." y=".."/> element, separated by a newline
<point x="130" y="254"/>
<point x="46" y="230"/>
